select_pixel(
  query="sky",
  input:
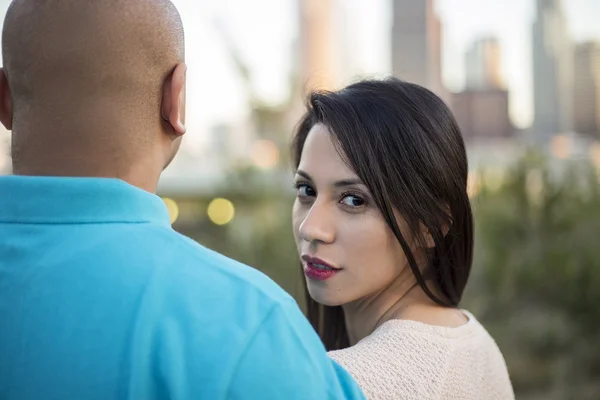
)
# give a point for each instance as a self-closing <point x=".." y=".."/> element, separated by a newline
<point x="264" y="32"/>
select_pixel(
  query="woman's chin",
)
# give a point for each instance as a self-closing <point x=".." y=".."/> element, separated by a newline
<point x="325" y="297"/>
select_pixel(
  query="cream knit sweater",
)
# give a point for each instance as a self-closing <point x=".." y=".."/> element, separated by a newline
<point x="406" y="360"/>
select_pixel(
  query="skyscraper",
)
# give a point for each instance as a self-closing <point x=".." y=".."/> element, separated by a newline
<point x="317" y="58"/>
<point x="481" y="110"/>
<point x="329" y="52"/>
<point x="552" y="71"/>
<point x="586" y="106"/>
<point x="483" y="64"/>
<point x="482" y="114"/>
<point x="416" y="44"/>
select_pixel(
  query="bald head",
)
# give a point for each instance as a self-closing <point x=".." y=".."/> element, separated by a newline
<point x="91" y="76"/>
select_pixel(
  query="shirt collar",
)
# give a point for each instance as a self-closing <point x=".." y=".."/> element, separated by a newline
<point x="59" y="200"/>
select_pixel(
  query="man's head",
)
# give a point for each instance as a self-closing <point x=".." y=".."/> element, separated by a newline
<point x="93" y="87"/>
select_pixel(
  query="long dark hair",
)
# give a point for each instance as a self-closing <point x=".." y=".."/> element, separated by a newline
<point x="403" y="142"/>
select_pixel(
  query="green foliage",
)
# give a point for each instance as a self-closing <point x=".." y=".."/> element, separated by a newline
<point x="536" y="277"/>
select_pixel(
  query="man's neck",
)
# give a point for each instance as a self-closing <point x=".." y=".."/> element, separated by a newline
<point x="141" y="175"/>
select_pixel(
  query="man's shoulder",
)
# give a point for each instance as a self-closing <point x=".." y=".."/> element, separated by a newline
<point x="191" y="269"/>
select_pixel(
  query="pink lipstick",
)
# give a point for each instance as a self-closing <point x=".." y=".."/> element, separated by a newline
<point x="317" y="269"/>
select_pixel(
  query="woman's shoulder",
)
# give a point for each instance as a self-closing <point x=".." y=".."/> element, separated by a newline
<point x="419" y="361"/>
<point x="399" y="338"/>
<point x="397" y="346"/>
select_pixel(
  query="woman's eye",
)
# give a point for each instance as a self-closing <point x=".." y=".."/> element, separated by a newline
<point x="353" y="201"/>
<point x="305" y="191"/>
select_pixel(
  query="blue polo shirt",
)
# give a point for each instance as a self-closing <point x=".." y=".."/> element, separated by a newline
<point x="101" y="299"/>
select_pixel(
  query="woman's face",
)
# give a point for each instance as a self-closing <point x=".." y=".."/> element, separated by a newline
<point x="348" y="251"/>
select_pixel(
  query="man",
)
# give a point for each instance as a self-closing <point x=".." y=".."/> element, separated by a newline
<point x="99" y="297"/>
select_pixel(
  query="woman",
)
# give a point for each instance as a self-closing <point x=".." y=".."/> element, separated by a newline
<point x="384" y="229"/>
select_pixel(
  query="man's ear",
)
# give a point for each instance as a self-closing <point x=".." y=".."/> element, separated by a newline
<point x="173" y="100"/>
<point x="6" y="115"/>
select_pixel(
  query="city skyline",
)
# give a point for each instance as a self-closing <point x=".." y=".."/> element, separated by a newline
<point x="267" y="44"/>
<point x="509" y="21"/>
